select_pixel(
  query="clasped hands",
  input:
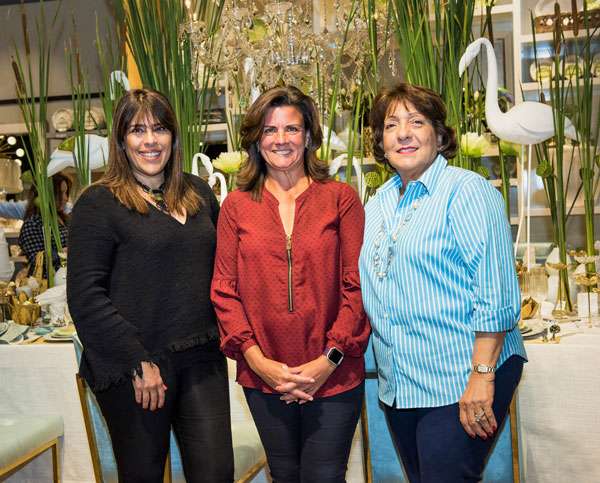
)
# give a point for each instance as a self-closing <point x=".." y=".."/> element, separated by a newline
<point x="295" y="384"/>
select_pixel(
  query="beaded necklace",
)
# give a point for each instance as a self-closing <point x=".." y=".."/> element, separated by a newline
<point x="157" y="195"/>
<point x="381" y="233"/>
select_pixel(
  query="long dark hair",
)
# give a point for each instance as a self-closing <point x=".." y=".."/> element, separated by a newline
<point x="32" y="207"/>
<point x="179" y="191"/>
<point x="254" y="170"/>
<point x="426" y="101"/>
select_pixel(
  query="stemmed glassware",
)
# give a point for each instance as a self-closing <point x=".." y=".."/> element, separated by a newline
<point x="539" y="287"/>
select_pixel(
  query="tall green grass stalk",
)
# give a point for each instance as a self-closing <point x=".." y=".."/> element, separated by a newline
<point x="110" y="59"/>
<point x="81" y="102"/>
<point x="587" y="124"/>
<point x="32" y="95"/>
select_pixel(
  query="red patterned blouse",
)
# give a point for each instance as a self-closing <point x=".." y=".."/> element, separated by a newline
<point x="292" y="297"/>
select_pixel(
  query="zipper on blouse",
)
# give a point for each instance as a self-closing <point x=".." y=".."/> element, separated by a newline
<point x="289" y="258"/>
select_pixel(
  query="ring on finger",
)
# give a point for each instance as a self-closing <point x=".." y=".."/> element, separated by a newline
<point x="479" y="417"/>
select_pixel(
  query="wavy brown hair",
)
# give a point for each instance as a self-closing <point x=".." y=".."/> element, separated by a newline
<point x="32" y="207"/>
<point x="254" y="170"/>
<point x="137" y="105"/>
<point x="426" y="101"/>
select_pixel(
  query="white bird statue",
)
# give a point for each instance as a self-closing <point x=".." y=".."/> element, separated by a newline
<point x="97" y="147"/>
<point x="528" y="122"/>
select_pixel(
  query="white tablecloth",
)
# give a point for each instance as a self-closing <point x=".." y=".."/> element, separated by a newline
<point x="40" y="378"/>
<point x="559" y="403"/>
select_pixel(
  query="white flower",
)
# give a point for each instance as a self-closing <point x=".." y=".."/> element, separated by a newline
<point x="230" y="163"/>
<point x="473" y="145"/>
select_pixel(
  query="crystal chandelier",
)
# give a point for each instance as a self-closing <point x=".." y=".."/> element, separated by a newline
<point x="259" y="44"/>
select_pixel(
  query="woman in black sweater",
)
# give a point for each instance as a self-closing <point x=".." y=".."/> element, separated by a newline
<point x="141" y="250"/>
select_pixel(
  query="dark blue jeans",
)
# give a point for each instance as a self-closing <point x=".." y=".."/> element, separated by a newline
<point x="196" y="406"/>
<point x="307" y="443"/>
<point x="434" y="446"/>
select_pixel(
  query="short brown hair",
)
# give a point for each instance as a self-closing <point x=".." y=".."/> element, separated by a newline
<point x="179" y="191"/>
<point x="426" y="101"/>
<point x="254" y="170"/>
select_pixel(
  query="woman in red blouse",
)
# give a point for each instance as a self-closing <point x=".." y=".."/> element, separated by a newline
<point x="287" y="293"/>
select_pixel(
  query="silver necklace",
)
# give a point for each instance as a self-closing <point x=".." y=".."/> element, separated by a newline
<point x="381" y="233"/>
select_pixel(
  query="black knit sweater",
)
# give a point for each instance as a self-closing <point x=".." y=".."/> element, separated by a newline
<point x="138" y="285"/>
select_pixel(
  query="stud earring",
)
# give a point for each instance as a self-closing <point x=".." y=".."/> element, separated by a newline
<point x="385" y="155"/>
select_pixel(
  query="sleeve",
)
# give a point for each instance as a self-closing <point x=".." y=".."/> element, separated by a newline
<point x="478" y="222"/>
<point x="350" y="331"/>
<point x="236" y="332"/>
<point x="12" y="209"/>
<point x="111" y="343"/>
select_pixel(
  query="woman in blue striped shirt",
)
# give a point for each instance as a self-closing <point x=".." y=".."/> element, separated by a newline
<point x="440" y="289"/>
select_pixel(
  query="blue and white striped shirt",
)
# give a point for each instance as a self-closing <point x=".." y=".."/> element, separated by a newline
<point x="451" y="274"/>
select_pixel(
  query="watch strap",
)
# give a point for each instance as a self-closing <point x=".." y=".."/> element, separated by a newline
<point x="482" y="369"/>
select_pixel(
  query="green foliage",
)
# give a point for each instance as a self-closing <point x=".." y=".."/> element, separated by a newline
<point x="32" y="94"/>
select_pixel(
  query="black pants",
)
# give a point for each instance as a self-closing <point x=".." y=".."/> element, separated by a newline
<point x="196" y="406"/>
<point x="310" y="442"/>
<point x="434" y="446"/>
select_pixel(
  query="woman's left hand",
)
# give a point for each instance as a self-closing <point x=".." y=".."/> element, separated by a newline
<point x="476" y="414"/>
<point x="318" y="369"/>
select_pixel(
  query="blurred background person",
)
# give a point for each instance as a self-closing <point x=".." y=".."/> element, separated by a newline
<point x="31" y="237"/>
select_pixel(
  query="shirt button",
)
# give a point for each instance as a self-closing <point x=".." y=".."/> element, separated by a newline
<point x="385" y="315"/>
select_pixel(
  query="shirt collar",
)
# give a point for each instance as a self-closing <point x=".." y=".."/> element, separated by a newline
<point x="428" y="179"/>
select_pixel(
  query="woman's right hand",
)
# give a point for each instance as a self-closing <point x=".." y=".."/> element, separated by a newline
<point x="149" y="389"/>
<point x="277" y="374"/>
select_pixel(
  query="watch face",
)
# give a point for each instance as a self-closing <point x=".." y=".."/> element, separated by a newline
<point x="335" y="356"/>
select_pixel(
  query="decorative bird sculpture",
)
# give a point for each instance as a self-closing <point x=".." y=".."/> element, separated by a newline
<point x="526" y="123"/>
<point x="97" y="151"/>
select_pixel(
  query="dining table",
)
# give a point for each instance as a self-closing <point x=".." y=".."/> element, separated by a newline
<point x="558" y="401"/>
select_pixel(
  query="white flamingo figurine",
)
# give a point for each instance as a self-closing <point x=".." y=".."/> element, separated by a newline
<point x="528" y="122"/>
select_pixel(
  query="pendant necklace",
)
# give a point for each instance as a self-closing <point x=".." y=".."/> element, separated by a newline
<point x="157" y="195"/>
<point x="381" y="233"/>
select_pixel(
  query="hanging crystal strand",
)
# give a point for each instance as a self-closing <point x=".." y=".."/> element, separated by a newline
<point x="292" y="54"/>
<point x="337" y="14"/>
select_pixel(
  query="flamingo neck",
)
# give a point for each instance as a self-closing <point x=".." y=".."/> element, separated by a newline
<point x="492" y="109"/>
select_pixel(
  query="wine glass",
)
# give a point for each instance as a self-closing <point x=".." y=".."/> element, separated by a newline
<point x="539" y="287"/>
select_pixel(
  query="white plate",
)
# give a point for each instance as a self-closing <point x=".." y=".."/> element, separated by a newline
<point x="543" y="69"/>
<point x="62" y="120"/>
<point x="48" y="338"/>
<point x="536" y="329"/>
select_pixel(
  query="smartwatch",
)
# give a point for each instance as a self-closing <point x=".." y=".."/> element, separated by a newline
<point x="334" y="355"/>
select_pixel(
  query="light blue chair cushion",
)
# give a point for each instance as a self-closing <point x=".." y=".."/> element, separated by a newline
<point x="21" y="434"/>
